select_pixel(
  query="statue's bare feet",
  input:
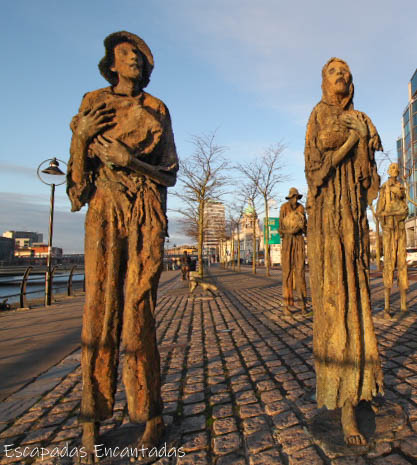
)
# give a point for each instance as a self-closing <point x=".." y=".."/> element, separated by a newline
<point x="353" y="437"/>
<point x="154" y="431"/>
<point x="89" y="459"/>
<point x="375" y="407"/>
<point x="286" y="310"/>
<point x="89" y="440"/>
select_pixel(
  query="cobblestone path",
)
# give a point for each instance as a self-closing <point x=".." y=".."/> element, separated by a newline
<point x="238" y="382"/>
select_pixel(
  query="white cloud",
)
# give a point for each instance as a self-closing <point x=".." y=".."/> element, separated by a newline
<point x="26" y="213"/>
<point x="175" y="231"/>
<point x="276" y="49"/>
<point x="11" y="168"/>
<point x="272" y="52"/>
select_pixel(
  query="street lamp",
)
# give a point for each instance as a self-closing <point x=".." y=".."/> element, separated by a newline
<point x="53" y="170"/>
<point x="166" y="245"/>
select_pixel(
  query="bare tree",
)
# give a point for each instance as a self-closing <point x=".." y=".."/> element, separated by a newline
<point x="188" y="220"/>
<point x="239" y="211"/>
<point x="271" y="174"/>
<point x="222" y="246"/>
<point x="201" y="180"/>
<point x="266" y="173"/>
<point x="229" y="238"/>
<point x="234" y="217"/>
<point x="223" y="252"/>
<point x="249" y="194"/>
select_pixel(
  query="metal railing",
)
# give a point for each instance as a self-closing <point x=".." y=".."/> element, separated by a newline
<point x="39" y="280"/>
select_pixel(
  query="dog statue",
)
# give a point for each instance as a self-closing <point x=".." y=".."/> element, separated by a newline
<point x="195" y="281"/>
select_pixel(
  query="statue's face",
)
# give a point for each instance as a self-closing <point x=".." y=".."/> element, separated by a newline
<point x="338" y="76"/>
<point x="293" y="201"/>
<point x="393" y="170"/>
<point x="128" y="61"/>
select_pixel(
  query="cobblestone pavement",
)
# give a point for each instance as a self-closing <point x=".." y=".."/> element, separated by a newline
<point x="238" y="383"/>
<point x="33" y="340"/>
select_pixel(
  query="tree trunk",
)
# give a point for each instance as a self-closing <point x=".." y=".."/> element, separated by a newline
<point x="221" y="252"/>
<point x="254" y="243"/>
<point x="266" y="236"/>
<point x="238" y="249"/>
<point x="233" y="253"/>
<point x="200" y="239"/>
<point x="226" y="256"/>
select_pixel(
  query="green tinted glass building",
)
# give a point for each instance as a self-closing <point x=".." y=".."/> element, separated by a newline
<point x="407" y="156"/>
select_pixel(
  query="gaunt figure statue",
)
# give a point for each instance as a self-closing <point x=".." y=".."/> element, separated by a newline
<point x="292" y="227"/>
<point x="392" y="210"/>
<point x="123" y="158"/>
<point x="342" y="180"/>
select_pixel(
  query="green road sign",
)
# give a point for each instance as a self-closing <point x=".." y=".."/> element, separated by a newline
<point x="274" y="237"/>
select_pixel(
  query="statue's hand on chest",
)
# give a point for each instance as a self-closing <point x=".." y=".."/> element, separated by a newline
<point x="136" y="127"/>
<point x="332" y="134"/>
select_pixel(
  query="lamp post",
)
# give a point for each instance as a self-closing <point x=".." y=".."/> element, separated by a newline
<point x="166" y="245"/>
<point x="52" y="169"/>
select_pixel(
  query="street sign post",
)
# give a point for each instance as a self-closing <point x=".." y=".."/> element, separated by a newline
<point x="274" y="237"/>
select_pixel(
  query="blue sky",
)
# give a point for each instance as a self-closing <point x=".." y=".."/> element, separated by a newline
<point x="251" y="70"/>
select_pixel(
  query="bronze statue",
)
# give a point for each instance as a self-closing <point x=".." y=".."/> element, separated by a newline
<point x="292" y="227"/>
<point x="342" y="180"/>
<point x="392" y="210"/>
<point x="123" y="158"/>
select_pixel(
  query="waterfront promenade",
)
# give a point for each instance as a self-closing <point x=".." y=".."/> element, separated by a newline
<point x="238" y="379"/>
<point x="34" y="340"/>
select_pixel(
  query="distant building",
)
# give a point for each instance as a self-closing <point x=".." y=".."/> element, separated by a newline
<point x="6" y="248"/>
<point x="38" y="251"/>
<point x="179" y="250"/>
<point x="245" y="237"/>
<point x="23" y="239"/>
<point x="30" y="244"/>
<point x="26" y="252"/>
<point x="215" y="229"/>
<point x="407" y="156"/>
<point x="41" y="251"/>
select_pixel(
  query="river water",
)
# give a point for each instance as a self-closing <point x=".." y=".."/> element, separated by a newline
<point x="10" y="286"/>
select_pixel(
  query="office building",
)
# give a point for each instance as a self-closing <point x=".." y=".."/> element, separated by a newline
<point x="24" y="239"/>
<point x="6" y="248"/>
<point x="215" y="229"/>
<point x="407" y="157"/>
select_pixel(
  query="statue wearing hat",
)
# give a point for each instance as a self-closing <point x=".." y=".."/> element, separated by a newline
<point x="392" y="210"/>
<point x="123" y="158"/>
<point x="292" y="227"/>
